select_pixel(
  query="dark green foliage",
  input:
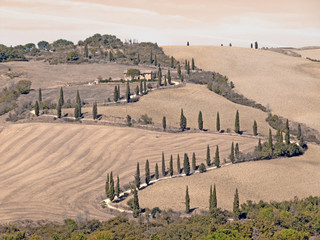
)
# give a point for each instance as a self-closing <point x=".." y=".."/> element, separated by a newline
<point x="217" y="158"/>
<point x="107" y="186"/>
<point x="192" y="64"/>
<point x="236" y="209"/>
<point x="186" y="64"/>
<point x="218" y="122"/>
<point x="251" y="45"/>
<point x="59" y="110"/>
<point x="128" y="92"/>
<point x="255" y="128"/>
<point x="136" y="206"/>
<point x="111" y="188"/>
<point x="270" y="140"/>
<point x="208" y="159"/>
<point x="163" y="166"/>
<point x="179" y="71"/>
<point x="171" y="166"/>
<point x="23" y="86"/>
<point x="237" y="151"/>
<point x="256" y="45"/>
<point x="111" y="56"/>
<point x="159" y="76"/>
<point x="137" y="180"/>
<point x="72" y="56"/>
<point x="156" y="172"/>
<point x="212" y="199"/>
<point x="129" y="123"/>
<point x="141" y="87"/>
<point x="183" y="121"/>
<point x="200" y="121"/>
<point x="172" y="62"/>
<point x="145" y="86"/>
<point x="237" y="123"/>
<point x="194" y="163"/>
<point x="169" y="77"/>
<point x="155" y="60"/>
<point x="232" y="159"/>
<point x="78" y="101"/>
<point x="86" y="52"/>
<point x="178" y="165"/>
<point x="137" y="90"/>
<point x="287" y="132"/>
<point x="151" y="58"/>
<point x="164" y="123"/>
<point x="94" y="111"/>
<point x="202" y="168"/>
<point x="77" y="112"/>
<point x="118" y="187"/>
<point x="147" y="173"/>
<point x="187" y="200"/>
<point x="299" y="134"/>
<point x="40" y="95"/>
<point x="36" y="108"/>
<point x="165" y="80"/>
<point x="186" y="164"/>
<point x="188" y="67"/>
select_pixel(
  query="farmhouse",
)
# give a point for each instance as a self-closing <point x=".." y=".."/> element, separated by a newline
<point x="143" y="74"/>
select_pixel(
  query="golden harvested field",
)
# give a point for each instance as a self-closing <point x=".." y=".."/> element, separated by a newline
<point x="58" y="171"/>
<point x="289" y="85"/>
<point x="311" y="53"/>
<point x="192" y="98"/>
<point x="273" y="180"/>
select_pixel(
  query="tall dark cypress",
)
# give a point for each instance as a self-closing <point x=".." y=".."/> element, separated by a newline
<point x="217" y="158"/>
<point x="179" y="71"/>
<point x="178" y="164"/>
<point x="94" y="111"/>
<point x="136" y="206"/>
<point x="164" y="123"/>
<point x="169" y="77"/>
<point x="156" y="172"/>
<point x="299" y="132"/>
<point x="36" y="108"/>
<point x="186" y="164"/>
<point x="236" y="209"/>
<point x="172" y="62"/>
<point x="218" y="122"/>
<point x="115" y="94"/>
<point x="107" y="185"/>
<point x="40" y="95"/>
<point x="59" y="110"/>
<point x="232" y="159"/>
<point x="137" y="177"/>
<point x="128" y="92"/>
<point x="200" y="121"/>
<point x="208" y="159"/>
<point x="163" y="166"/>
<point x="187" y="198"/>
<point x="270" y="144"/>
<point x="192" y="64"/>
<point x="237" y="123"/>
<point x="287" y="132"/>
<point x="147" y="172"/>
<point x="141" y="88"/>
<point x="111" y="188"/>
<point x="171" y="166"/>
<point x="194" y="164"/>
<point x="255" y="128"/>
<point x="214" y="197"/>
<point x="118" y="187"/>
<point x="61" y="98"/>
<point x="210" y="200"/>
<point x="237" y="151"/>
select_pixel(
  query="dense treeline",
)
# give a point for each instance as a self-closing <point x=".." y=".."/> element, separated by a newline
<point x="295" y="219"/>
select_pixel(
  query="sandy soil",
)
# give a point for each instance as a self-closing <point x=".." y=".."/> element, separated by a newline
<point x="311" y="53"/>
<point x="192" y="98"/>
<point x="273" y="180"/>
<point x="289" y="85"/>
<point x="57" y="171"/>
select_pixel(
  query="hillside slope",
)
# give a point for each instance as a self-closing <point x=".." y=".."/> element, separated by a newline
<point x="289" y="85"/>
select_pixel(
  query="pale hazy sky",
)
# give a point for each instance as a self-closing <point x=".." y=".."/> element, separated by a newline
<point x="168" y="22"/>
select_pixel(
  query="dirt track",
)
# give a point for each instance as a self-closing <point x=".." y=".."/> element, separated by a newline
<point x="57" y="171"/>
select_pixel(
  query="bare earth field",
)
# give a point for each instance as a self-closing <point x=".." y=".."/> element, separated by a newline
<point x="311" y="53"/>
<point x="58" y="171"/>
<point x="192" y="98"/>
<point x="273" y="180"/>
<point x="289" y="85"/>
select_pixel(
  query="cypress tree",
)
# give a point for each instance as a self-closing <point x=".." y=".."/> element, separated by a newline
<point x="237" y="123"/>
<point x="61" y="98"/>
<point x="208" y="156"/>
<point x="156" y="173"/>
<point x="118" y="187"/>
<point x="194" y="164"/>
<point x="278" y="136"/>
<point x="172" y="62"/>
<point x="251" y="45"/>
<point x="186" y="164"/>
<point x="171" y="166"/>
<point x="179" y="70"/>
<point x="95" y="111"/>
<point x="187" y="201"/>
<point x="287" y="137"/>
<point x="192" y="64"/>
<point x="217" y="158"/>
<point x="281" y="137"/>
<point x="151" y="60"/>
<point x="256" y="45"/>
<point x="111" y="188"/>
<point x="183" y="121"/>
<point x="86" y="52"/>
<point x="145" y="86"/>
<point x="259" y="145"/>
<point x="237" y="151"/>
<point x="164" y="123"/>
<point x="270" y="144"/>
<point x="165" y="80"/>
<point x="200" y="121"/>
<point x="255" y="128"/>
<point x="185" y="64"/>
<point x="214" y="197"/>
<point x="218" y="122"/>
<point x="59" y="110"/>
<point x="169" y="77"/>
<point x="178" y="164"/>
<point x="119" y="95"/>
<point x="232" y="153"/>
<point x="236" y="209"/>
<point x="115" y="94"/>
<point x="137" y="177"/>
<point x="128" y="92"/>
<point x="211" y="200"/>
<point x="188" y="68"/>
<point x="76" y="111"/>
<point x="40" y="95"/>
<point x="36" y="108"/>
<point x="299" y="132"/>
<point x="78" y="101"/>
<point x="155" y="60"/>
<point x="138" y="59"/>
<point x="159" y="77"/>
<point x="163" y="166"/>
<point x="141" y="88"/>
<point x="301" y="142"/>
<point x="107" y="185"/>
<point x="147" y="173"/>
<point x="137" y="90"/>
<point x="136" y="207"/>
